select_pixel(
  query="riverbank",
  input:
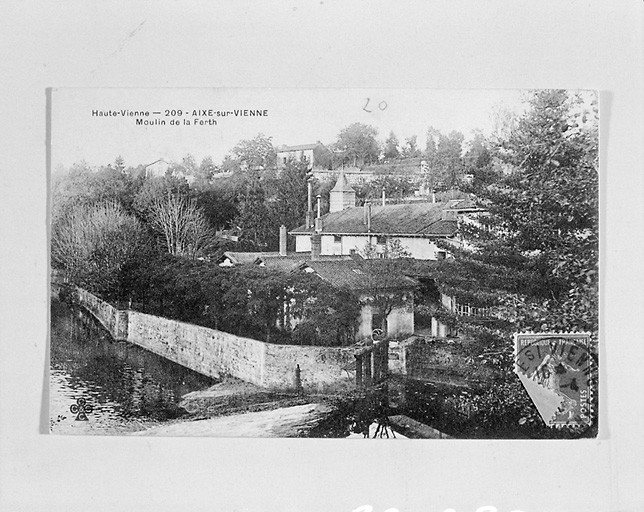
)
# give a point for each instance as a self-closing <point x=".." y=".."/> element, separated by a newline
<point x="294" y="421"/>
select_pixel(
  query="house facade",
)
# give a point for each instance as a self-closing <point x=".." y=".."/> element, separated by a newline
<point x="156" y="169"/>
<point x="317" y="155"/>
<point x="416" y="226"/>
<point x="374" y="285"/>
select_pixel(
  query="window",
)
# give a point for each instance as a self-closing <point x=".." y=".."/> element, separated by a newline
<point x="381" y="240"/>
<point x="337" y="239"/>
<point x="441" y="255"/>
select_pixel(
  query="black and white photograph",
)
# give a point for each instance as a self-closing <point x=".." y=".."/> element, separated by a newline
<point x="321" y="256"/>
<point x="324" y="263"/>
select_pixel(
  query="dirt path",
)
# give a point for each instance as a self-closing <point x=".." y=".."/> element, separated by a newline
<point x="294" y="421"/>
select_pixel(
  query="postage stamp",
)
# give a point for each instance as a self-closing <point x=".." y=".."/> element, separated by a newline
<point x="557" y="371"/>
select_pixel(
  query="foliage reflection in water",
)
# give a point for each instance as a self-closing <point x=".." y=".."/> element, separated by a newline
<point x="127" y="387"/>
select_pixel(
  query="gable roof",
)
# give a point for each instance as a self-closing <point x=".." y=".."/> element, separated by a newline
<point x="156" y="162"/>
<point x="274" y="260"/>
<point x="360" y="275"/>
<point x="301" y="147"/>
<point x="417" y="220"/>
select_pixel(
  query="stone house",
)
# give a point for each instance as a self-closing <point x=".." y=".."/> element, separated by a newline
<point x="347" y="228"/>
<point x="317" y="155"/>
<point x="377" y="285"/>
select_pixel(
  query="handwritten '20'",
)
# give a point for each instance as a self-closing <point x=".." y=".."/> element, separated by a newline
<point x="381" y="106"/>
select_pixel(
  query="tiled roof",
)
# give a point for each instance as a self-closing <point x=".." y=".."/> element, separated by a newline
<point x="361" y="274"/>
<point x="274" y="260"/>
<point x="420" y="219"/>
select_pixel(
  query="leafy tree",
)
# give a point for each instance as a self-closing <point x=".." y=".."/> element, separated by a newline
<point x="478" y="155"/>
<point x="411" y="147"/>
<point x="256" y="154"/>
<point x="391" y="151"/>
<point x="385" y="282"/>
<point x="358" y="144"/>
<point x="288" y="193"/>
<point x="533" y="255"/>
<point x="251" y="301"/>
<point x="395" y="187"/>
<point x="328" y="315"/>
<point x="218" y="202"/>
<point x="82" y="185"/>
<point x="119" y="164"/>
<point x="229" y="164"/>
<point x="253" y="216"/>
<point x="207" y="169"/>
<point x="443" y="154"/>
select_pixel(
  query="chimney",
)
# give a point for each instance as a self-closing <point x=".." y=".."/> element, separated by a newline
<point x="309" y="211"/>
<point x="316" y="246"/>
<point x="384" y="200"/>
<point x="433" y="196"/>
<point x="364" y="213"/>
<point x="318" y="220"/>
<point x="368" y="217"/>
<point x="282" y="240"/>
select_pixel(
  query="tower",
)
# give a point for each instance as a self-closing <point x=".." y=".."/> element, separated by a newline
<point x="342" y="196"/>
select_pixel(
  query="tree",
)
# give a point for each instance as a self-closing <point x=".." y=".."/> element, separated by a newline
<point x="253" y="217"/>
<point x="411" y="147"/>
<point x="87" y="186"/>
<point x="94" y="244"/>
<point x="288" y="195"/>
<point x="327" y="314"/>
<point x="478" y="155"/>
<point x="256" y="154"/>
<point x="207" y="169"/>
<point x="154" y="189"/>
<point x="358" y="144"/>
<point x="385" y="282"/>
<point x="218" y="202"/>
<point x="395" y="188"/>
<point x="533" y="255"/>
<point x="443" y="154"/>
<point x="119" y="164"/>
<point x="390" y="151"/>
<point x="183" y="226"/>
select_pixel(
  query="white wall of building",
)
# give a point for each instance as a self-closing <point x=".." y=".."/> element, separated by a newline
<point x="284" y="156"/>
<point x="399" y="322"/>
<point x="157" y="169"/>
<point x="419" y="248"/>
<point x="303" y="243"/>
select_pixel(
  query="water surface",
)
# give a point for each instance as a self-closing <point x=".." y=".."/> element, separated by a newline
<point x="127" y="387"/>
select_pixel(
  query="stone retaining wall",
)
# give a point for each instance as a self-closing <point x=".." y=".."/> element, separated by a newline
<point x="217" y="353"/>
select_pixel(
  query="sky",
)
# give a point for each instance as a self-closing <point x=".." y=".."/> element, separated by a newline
<point x="295" y="116"/>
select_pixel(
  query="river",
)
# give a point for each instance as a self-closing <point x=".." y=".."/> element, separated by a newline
<point x="122" y="388"/>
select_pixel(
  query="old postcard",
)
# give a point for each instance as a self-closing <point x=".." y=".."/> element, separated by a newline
<point x="317" y="263"/>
